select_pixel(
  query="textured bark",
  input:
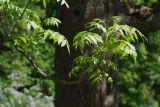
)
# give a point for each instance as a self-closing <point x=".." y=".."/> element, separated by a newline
<point x="84" y="94"/>
<point x="78" y="95"/>
<point x="142" y="17"/>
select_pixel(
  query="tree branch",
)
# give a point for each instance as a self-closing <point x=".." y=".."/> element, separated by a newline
<point x="39" y="72"/>
<point x="29" y="1"/>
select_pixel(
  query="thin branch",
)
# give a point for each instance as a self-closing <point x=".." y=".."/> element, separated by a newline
<point x="24" y="10"/>
<point x="40" y="73"/>
<point x="64" y="82"/>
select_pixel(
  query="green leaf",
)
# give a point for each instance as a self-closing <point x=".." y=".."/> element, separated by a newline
<point x="96" y="24"/>
<point x="74" y="72"/>
<point x="60" y="39"/>
<point x="63" y="2"/>
<point x="52" y="21"/>
<point x="34" y="25"/>
<point x="16" y="42"/>
<point x="86" y="38"/>
<point x="23" y="39"/>
<point x="141" y="35"/>
<point x="110" y="80"/>
<point x="98" y="38"/>
<point x="92" y="38"/>
<point x="68" y="47"/>
<point x="56" y="37"/>
<point x="44" y="3"/>
<point x="64" y="42"/>
<point x="115" y="19"/>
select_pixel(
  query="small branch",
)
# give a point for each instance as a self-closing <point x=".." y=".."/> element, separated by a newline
<point x="42" y="75"/>
<point x="39" y="71"/>
<point x="64" y="82"/>
<point x="29" y="1"/>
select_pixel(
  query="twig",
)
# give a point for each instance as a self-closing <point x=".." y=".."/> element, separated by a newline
<point x="42" y="75"/>
<point x="39" y="71"/>
<point x="29" y="1"/>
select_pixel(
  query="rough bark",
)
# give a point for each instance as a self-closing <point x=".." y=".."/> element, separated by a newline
<point x="142" y="17"/>
<point x="78" y="95"/>
<point x="84" y="94"/>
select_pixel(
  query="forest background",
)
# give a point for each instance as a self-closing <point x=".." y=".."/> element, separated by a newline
<point x="138" y="83"/>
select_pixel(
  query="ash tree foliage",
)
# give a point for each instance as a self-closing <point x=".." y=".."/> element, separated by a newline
<point x="16" y="74"/>
<point x="105" y="38"/>
<point x="27" y="29"/>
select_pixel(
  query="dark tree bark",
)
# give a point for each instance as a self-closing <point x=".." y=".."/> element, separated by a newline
<point x="84" y="94"/>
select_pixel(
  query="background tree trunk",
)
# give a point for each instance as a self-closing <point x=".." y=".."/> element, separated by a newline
<point x="84" y="94"/>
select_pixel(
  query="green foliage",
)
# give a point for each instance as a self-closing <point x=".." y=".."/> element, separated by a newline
<point x="104" y="42"/>
<point x="22" y="26"/>
<point x="63" y="2"/>
<point x="52" y="21"/>
<point x="85" y="38"/>
<point x="27" y="22"/>
<point x="141" y="80"/>
<point x="105" y="38"/>
<point x="18" y="88"/>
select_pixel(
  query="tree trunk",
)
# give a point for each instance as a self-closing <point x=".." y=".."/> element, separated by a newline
<point x="84" y="94"/>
